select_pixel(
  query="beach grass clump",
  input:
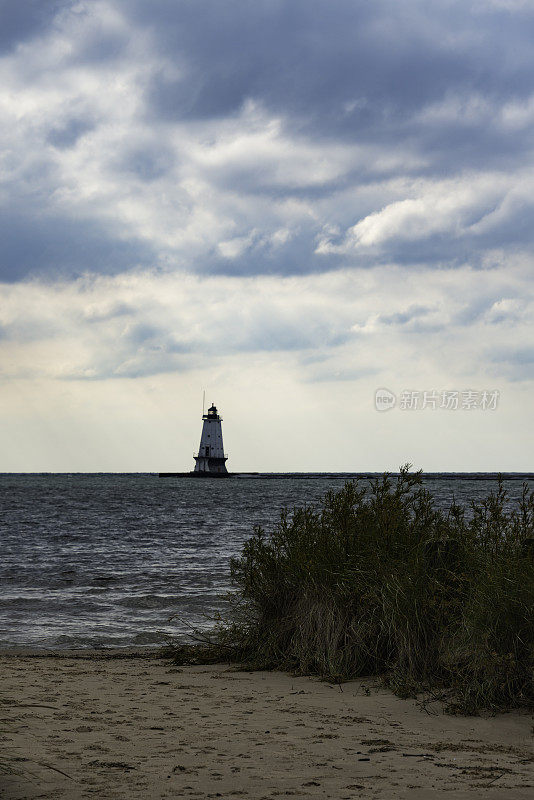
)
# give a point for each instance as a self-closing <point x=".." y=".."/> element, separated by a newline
<point x="380" y="581"/>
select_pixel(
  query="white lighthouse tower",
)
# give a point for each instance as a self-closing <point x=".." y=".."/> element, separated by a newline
<point x="211" y="460"/>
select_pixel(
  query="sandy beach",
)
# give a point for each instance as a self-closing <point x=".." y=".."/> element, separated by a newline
<point x="77" y="727"/>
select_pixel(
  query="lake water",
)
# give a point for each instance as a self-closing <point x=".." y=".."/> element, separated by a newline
<point x="108" y="560"/>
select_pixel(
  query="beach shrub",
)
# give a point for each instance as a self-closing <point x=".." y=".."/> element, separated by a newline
<point x="379" y="581"/>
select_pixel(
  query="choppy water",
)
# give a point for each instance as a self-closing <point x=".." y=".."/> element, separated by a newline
<point x="107" y="560"/>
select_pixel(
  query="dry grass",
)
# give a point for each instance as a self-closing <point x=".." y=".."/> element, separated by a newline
<point x="379" y="581"/>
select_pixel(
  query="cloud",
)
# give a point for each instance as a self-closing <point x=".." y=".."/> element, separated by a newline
<point x="405" y="317"/>
<point x="263" y="138"/>
<point x="442" y="220"/>
<point x="56" y="244"/>
<point x="378" y="61"/>
<point x="277" y="199"/>
<point x="513" y="363"/>
<point x="24" y="19"/>
<point x="338" y="326"/>
<point x="292" y="198"/>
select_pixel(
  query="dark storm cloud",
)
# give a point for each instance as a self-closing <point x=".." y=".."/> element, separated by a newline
<point x="195" y="121"/>
<point x="67" y="133"/>
<point x="294" y="258"/>
<point x="348" y="68"/>
<point x="432" y="77"/>
<point x="148" y="163"/>
<point x="35" y="244"/>
<point x="21" y="20"/>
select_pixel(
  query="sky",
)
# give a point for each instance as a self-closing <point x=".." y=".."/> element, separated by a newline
<point x="289" y="204"/>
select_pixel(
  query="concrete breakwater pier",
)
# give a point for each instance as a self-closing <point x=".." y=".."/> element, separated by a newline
<point x="427" y="476"/>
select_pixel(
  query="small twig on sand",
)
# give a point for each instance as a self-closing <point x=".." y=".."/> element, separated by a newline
<point x="49" y="766"/>
<point x="496" y="778"/>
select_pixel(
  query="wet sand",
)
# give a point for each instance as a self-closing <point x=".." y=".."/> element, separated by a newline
<point x="141" y="728"/>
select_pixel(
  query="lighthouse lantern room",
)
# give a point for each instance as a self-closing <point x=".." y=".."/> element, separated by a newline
<point x="211" y="459"/>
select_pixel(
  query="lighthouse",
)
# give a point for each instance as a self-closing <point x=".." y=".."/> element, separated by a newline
<point x="211" y="460"/>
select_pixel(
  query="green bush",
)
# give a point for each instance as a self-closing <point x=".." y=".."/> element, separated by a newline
<point x="379" y="581"/>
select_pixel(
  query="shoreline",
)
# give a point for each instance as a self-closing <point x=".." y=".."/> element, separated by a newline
<point x="88" y="653"/>
<point x="132" y="725"/>
<point x="475" y="475"/>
